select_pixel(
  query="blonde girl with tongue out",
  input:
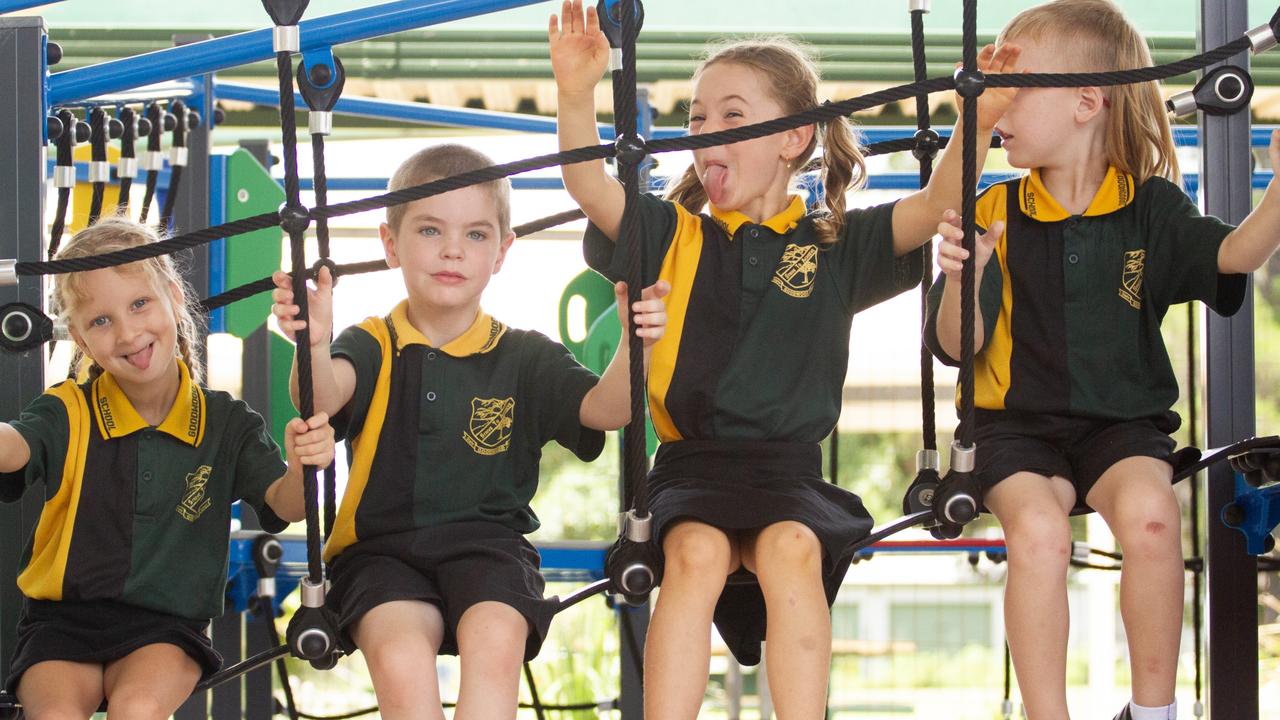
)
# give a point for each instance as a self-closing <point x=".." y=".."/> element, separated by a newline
<point x="748" y="379"/>
<point x="137" y="468"/>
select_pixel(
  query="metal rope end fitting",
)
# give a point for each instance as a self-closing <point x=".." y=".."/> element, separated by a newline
<point x="8" y="273"/>
<point x="61" y="333"/>
<point x="1261" y="39"/>
<point x="178" y="156"/>
<point x="635" y="528"/>
<point x="152" y="161"/>
<point x="127" y="167"/>
<point x="320" y="122"/>
<point x="266" y="587"/>
<point x="312" y="593"/>
<point x="615" y="59"/>
<point x="928" y="460"/>
<point x="962" y="458"/>
<point x="918" y="6"/>
<point x="64" y="176"/>
<point x="1182" y="104"/>
<point x="99" y="171"/>
<point x="286" y="38"/>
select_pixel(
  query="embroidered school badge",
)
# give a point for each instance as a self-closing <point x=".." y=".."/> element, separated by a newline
<point x="1131" y="278"/>
<point x="489" y="431"/>
<point x="796" y="270"/>
<point x="194" y="502"/>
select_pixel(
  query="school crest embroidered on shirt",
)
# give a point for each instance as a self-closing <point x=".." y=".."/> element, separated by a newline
<point x="796" y="270"/>
<point x="489" y="431"/>
<point x="1131" y="278"/>
<point x="194" y="502"/>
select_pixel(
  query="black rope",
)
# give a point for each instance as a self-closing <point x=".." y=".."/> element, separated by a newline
<point x="927" y="401"/>
<point x="178" y="147"/>
<point x="636" y="466"/>
<point x="59" y="221"/>
<point x="97" y="154"/>
<point x="298" y="259"/>
<point x="155" y="115"/>
<point x="266" y="613"/>
<point x="65" y="145"/>
<point x="128" y="140"/>
<point x="967" y="274"/>
<point x="321" y="189"/>
<point x="533" y="692"/>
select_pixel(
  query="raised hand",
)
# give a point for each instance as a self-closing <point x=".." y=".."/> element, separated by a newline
<point x="951" y="255"/>
<point x="650" y="310"/>
<point x="579" y="50"/>
<point x="994" y="101"/>
<point x="319" y="305"/>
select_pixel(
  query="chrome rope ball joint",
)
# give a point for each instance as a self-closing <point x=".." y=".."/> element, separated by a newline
<point x="630" y="149"/>
<point x="970" y="83"/>
<point x="294" y="219"/>
<point x="927" y="144"/>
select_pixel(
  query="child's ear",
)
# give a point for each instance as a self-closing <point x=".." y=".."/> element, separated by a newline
<point x="503" y="247"/>
<point x="1092" y="102"/>
<point x="389" y="245"/>
<point x="797" y="140"/>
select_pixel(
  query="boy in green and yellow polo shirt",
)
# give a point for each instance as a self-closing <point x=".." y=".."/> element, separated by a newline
<point x="445" y="411"/>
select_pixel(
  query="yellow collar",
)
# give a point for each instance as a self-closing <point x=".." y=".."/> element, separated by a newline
<point x="782" y="223"/>
<point x="481" y="337"/>
<point x="1115" y="192"/>
<point x="117" y="417"/>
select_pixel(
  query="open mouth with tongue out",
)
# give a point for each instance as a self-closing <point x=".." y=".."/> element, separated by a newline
<point x="141" y="359"/>
<point x="714" y="180"/>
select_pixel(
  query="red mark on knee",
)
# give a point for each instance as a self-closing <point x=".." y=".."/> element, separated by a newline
<point x="1155" y="527"/>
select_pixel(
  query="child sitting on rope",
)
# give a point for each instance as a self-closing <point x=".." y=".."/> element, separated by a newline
<point x="1073" y="387"/>
<point x="140" y="465"/>
<point x="445" y="411"/>
<point x="749" y="379"/>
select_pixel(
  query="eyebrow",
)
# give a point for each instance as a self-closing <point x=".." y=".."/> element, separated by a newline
<point x="441" y="221"/>
<point x="726" y="98"/>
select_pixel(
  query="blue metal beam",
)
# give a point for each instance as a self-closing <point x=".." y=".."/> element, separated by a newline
<point x="418" y="113"/>
<point x="7" y="6"/>
<point x="254" y="46"/>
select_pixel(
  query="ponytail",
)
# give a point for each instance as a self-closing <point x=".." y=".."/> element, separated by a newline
<point x="843" y="169"/>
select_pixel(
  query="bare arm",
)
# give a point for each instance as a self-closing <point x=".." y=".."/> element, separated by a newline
<point x="334" y="379"/>
<point x="1249" y="246"/>
<point x="305" y="443"/>
<point x="915" y="216"/>
<point x="607" y="406"/>
<point x="579" y="54"/>
<point x="950" y="260"/>
<point x="14" y="451"/>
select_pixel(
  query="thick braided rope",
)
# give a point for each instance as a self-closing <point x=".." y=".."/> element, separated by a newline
<point x="97" y="153"/>
<point x="321" y="189"/>
<point x="59" y="221"/>
<point x="298" y="264"/>
<point x="127" y="142"/>
<point x="1193" y="428"/>
<point x="929" y="432"/>
<point x="969" y="172"/>
<point x="636" y="465"/>
<point x="156" y="115"/>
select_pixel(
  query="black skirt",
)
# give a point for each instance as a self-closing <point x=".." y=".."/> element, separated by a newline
<point x="102" y="631"/>
<point x="742" y="485"/>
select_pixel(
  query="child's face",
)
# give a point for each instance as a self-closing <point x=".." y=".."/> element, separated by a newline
<point x="127" y="325"/>
<point x="1041" y="126"/>
<point x="448" y="246"/>
<point x="728" y="95"/>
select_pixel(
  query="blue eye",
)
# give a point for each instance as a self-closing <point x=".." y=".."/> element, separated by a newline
<point x="477" y="235"/>
<point x="429" y="230"/>
<point x="139" y="303"/>
<point x="100" y="321"/>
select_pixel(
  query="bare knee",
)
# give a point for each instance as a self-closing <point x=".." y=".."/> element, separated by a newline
<point x="136" y="702"/>
<point x="1153" y="533"/>
<point x="787" y="548"/>
<point x="1039" y="539"/>
<point x="58" y="710"/>
<point x="696" y="551"/>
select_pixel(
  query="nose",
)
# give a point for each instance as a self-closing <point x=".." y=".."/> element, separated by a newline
<point x="451" y="247"/>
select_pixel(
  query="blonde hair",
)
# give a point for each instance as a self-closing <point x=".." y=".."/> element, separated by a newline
<point x="792" y="80"/>
<point x="1098" y="38"/>
<point x="442" y="161"/>
<point x="111" y="235"/>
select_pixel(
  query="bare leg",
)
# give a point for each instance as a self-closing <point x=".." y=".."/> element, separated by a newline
<point x="677" y="655"/>
<point x="1033" y="511"/>
<point x="787" y="559"/>
<point x="150" y="682"/>
<point x="1136" y="499"/>
<point x="491" y="640"/>
<point x="60" y="690"/>
<point x="400" y="640"/>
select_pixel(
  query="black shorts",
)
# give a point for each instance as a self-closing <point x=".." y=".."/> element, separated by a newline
<point x="1078" y="449"/>
<point x="747" y="485"/>
<point x="453" y="567"/>
<point x="102" y="631"/>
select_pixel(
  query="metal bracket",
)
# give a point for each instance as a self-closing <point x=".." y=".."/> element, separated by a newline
<point x="963" y="459"/>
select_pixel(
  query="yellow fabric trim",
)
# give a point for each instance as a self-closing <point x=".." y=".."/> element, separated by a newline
<point x="43" y="577"/>
<point x="481" y="337"/>
<point x="991" y="374"/>
<point x="364" y="445"/>
<point x="679" y="267"/>
<point x="116" y="416"/>
<point x="1115" y="192"/>
<point x="782" y="223"/>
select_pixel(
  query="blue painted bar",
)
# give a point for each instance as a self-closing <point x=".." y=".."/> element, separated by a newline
<point x="242" y="48"/>
<point x="166" y="91"/>
<point x="7" y="6"/>
<point x="217" y="248"/>
<point x="419" y="113"/>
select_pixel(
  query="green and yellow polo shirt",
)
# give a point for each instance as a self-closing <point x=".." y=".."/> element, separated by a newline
<point x="135" y="513"/>
<point x="757" y="338"/>
<point x="1072" y="304"/>
<point x="453" y="433"/>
